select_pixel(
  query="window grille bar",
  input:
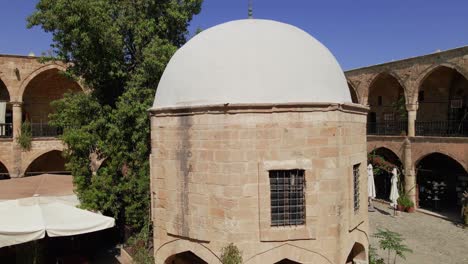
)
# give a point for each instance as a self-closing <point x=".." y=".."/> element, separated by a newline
<point x="287" y="197"/>
<point x="356" y="186"/>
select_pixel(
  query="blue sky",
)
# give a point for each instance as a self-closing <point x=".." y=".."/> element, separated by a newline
<point x="358" y="32"/>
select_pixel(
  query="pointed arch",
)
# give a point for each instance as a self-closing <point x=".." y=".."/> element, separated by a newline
<point x="36" y="73"/>
<point x="7" y="115"/>
<point x="4" y="172"/>
<point x="177" y="246"/>
<point x="441" y="181"/>
<point x="4" y="92"/>
<point x="290" y="252"/>
<point x="392" y="75"/>
<point x="388" y="154"/>
<point x="429" y="70"/>
<point x="51" y="161"/>
<point x="287" y="261"/>
<point x="357" y="253"/>
<point x="426" y="154"/>
<point x="40" y="89"/>
<point x="354" y="93"/>
<point x="385" y="159"/>
<point x="443" y="87"/>
<point x="387" y="100"/>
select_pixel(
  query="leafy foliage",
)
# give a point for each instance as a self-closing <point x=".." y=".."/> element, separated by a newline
<point x="399" y="106"/>
<point x="392" y="242"/>
<point x="120" y="48"/>
<point x="25" y="137"/>
<point x="142" y="247"/>
<point x="405" y="201"/>
<point x="230" y="254"/>
<point x="373" y="257"/>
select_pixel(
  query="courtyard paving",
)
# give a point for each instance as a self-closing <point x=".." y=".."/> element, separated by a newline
<point x="432" y="239"/>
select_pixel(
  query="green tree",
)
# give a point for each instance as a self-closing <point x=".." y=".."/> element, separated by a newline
<point x="392" y="242"/>
<point x="120" y="49"/>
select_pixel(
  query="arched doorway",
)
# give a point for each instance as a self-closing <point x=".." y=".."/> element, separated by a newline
<point x="51" y="162"/>
<point x="6" y="117"/>
<point x="388" y="115"/>
<point x="443" y="100"/>
<point x="358" y="253"/>
<point x="44" y="88"/>
<point x="287" y="261"/>
<point x="383" y="161"/>
<point x="4" y="174"/>
<point x="354" y="97"/>
<point x="441" y="181"/>
<point x="187" y="257"/>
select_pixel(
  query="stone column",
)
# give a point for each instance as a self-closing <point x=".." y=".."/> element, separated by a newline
<point x="410" y="175"/>
<point x="16" y="149"/>
<point x="412" y="112"/>
<point x="17" y="120"/>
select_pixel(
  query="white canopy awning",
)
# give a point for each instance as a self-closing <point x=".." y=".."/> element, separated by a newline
<point x="29" y="219"/>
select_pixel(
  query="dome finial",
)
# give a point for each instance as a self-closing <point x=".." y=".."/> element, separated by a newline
<point x="250" y="9"/>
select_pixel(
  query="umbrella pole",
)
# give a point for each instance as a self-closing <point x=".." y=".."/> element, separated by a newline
<point x="371" y="205"/>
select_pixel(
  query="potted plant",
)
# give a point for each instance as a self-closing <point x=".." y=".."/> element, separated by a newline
<point x="401" y="203"/>
<point x="410" y="206"/>
<point x="405" y="204"/>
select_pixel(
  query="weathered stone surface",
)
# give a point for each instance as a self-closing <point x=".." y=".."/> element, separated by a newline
<point x="211" y="182"/>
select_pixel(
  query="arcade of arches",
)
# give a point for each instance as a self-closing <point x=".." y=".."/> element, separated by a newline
<point x="27" y="88"/>
<point x="418" y="122"/>
<point x="440" y="180"/>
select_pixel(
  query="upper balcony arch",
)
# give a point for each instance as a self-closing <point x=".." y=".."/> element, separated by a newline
<point x="38" y="90"/>
<point x="431" y="69"/>
<point x="35" y="74"/>
<point x="354" y="93"/>
<point x="387" y="101"/>
<point x="387" y="74"/>
<point x="6" y="117"/>
<point x="4" y="92"/>
<point x="442" y="99"/>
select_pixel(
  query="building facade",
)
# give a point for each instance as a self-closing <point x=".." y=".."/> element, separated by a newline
<point x="27" y="87"/>
<point x="418" y="120"/>
<point x="255" y="142"/>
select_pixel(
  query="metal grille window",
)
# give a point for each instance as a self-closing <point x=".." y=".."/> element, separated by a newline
<point x="287" y="197"/>
<point x="356" y="186"/>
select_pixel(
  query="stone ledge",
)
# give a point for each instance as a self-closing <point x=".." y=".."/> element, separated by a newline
<point x="259" y="108"/>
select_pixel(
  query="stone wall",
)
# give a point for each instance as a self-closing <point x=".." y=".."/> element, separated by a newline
<point x="210" y="181"/>
<point x="410" y="73"/>
<point x="429" y="83"/>
<point x="29" y="86"/>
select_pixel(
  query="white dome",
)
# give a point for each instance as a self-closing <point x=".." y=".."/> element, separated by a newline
<point x="252" y="62"/>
